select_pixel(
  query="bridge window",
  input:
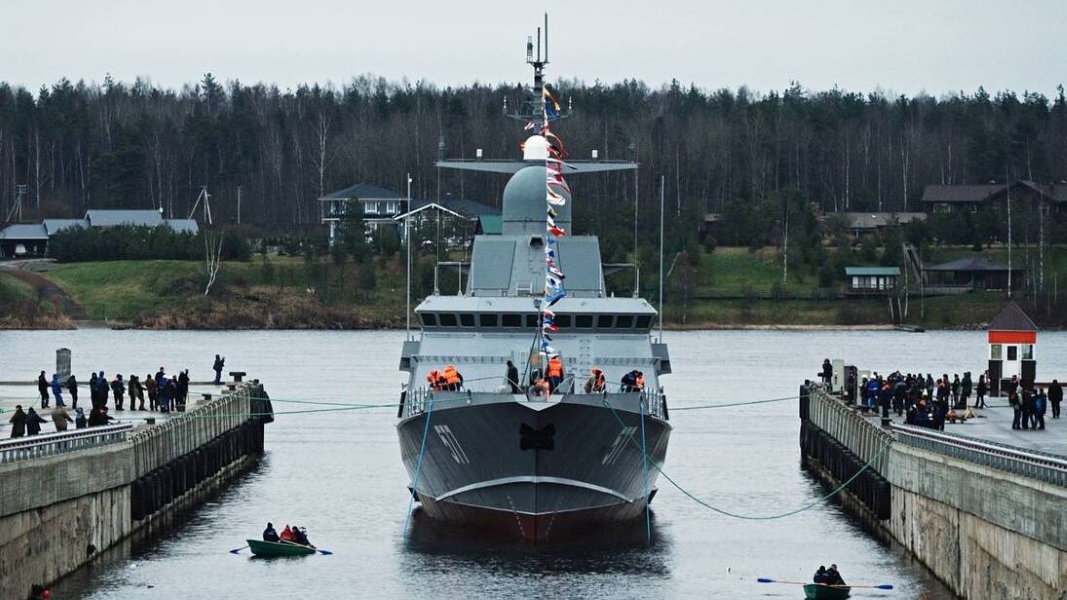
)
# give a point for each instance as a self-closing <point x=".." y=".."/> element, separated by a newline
<point x="624" y="322"/>
<point x="466" y="320"/>
<point x="605" y="321"/>
<point x="511" y="320"/>
<point x="643" y="321"/>
<point x="562" y="321"/>
<point x="448" y="320"/>
<point x="488" y="320"/>
<point x="531" y="321"/>
<point x="429" y="319"/>
<point x="583" y="321"/>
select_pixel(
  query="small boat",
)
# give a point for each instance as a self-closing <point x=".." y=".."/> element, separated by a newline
<point x="821" y="591"/>
<point x="262" y="548"/>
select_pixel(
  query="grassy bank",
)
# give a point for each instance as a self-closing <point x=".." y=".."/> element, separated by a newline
<point x="729" y="287"/>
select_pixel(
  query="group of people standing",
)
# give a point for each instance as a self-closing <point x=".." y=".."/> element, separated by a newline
<point x="1029" y="403"/>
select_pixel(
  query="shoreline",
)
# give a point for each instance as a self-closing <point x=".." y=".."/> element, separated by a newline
<point x="94" y="324"/>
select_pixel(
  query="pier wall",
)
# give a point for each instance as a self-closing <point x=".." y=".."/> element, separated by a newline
<point x="987" y="532"/>
<point x="58" y="512"/>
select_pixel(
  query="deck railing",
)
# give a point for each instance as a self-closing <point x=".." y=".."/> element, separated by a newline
<point x="1027" y="463"/>
<point x="49" y="444"/>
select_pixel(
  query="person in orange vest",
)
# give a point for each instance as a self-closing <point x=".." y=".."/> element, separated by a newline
<point x="434" y="378"/>
<point x="287" y="534"/>
<point x="453" y="379"/>
<point x="595" y="383"/>
<point x="554" y="372"/>
<point x="541" y="388"/>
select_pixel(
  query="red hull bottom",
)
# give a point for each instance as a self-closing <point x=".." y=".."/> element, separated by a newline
<point x="504" y="525"/>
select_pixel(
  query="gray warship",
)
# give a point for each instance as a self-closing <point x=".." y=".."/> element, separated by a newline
<point x="518" y="461"/>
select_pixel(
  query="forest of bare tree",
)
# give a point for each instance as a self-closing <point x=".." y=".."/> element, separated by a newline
<point x="115" y="145"/>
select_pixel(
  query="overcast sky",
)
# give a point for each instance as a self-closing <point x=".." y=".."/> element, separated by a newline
<point x="897" y="46"/>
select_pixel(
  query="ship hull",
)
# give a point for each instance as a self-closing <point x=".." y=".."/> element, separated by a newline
<point x="504" y="466"/>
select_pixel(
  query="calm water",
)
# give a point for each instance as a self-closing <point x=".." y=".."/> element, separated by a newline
<point x="339" y="474"/>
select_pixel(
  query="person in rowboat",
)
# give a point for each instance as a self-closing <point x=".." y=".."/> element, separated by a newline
<point x="300" y="536"/>
<point x="820" y="575"/>
<point x="269" y="534"/>
<point x="833" y="576"/>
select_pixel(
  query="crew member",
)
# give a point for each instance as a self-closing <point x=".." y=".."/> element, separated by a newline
<point x="554" y="373"/>
<point x="453" y="379"/>
<point x="595" y="383"/>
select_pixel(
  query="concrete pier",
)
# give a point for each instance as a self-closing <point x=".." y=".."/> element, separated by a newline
<point x="63" y="499"/>
<point x="986" y="516"/>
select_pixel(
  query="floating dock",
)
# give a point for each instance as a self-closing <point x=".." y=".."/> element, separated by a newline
<point x="981" y="505"/>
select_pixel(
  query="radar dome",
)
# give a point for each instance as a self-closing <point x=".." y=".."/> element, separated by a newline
<point x="525" y="204"/>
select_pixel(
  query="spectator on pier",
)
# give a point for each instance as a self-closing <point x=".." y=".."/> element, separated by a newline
<point x="1016" y="406"/>
<point x="955" y="387"/>
<point x="166" y="393"/>
<point x="181" y="392"/>
<point x="269" y="534"/>
<point x="33" y="422"/>
<point x="57" y="389"/>
<point x="160" y="374"/>
<point x="871" y="397"/>
<point x="980" y="392"/>
<point x="929" y="385"/>
<point x="153" y="392"/>
<point x="42" y="388"/>
<point x="72" y="387"/>
<point x="965" y="389"/>
<point x="512" y="377"/>
<point x="80" y="422"/>
<point x="136" y="392"/>
<point x="118" y="388"/>
<point x="61" y="418"/>
<point x="1040" y="405"/>
<point x="827" y="371"/>
<point x="219" y="363"/>
<point x="1055" y="396"/>
<point x="101" y="389"/>
<point x="99" y="416"/>
<point x="18" y="422"/>
<point x="1027" y="408"/>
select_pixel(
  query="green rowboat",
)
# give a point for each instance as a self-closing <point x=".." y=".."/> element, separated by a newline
<point x="820" y="591"/>
<point x="261" y="548"/>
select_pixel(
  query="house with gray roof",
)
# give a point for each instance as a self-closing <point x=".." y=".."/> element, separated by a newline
<point x="955" y="198"/>
<point x="871" y="281"/>
<point x="375" y="205"/>
<point x="32" y="239"/>
<point x="973" y="273"/>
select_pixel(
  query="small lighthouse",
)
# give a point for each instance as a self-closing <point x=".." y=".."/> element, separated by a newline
<point x="1012" y="337"/>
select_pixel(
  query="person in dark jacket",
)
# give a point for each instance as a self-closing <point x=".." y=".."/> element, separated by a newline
<point x="136" y="393"/>
<point x="99" y="417"/>
<point x="33" y="422"/>
<point x="80" y="422"/>
<point x="820" y="575"/>
<point x="102" y="389"/>
<point x="118" y="388"/>
<point x="153" y="392"/>
<point x="513" y="378"/>
<point x="219" y="363"/>
<point x="980" y="392"/>
<point x="181" y="393"/>
<point x="270" y="534"/>
<point x="42" y="387"/>
<point x="833" y="576"/>
<point x="18" y="422"/>
<point x="1055" y="396"/>
<point x="72" y="387"/>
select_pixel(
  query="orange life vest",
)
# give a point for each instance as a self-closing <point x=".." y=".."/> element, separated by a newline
<point x="555" y="367"/>
<point x="452" y="375"/>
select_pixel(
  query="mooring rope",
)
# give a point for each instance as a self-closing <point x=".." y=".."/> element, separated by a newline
<point x="691" y="496"/>
<point x="418" y="465"/>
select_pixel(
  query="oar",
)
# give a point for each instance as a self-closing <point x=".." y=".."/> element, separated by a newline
<point x="883" y="586"/>
<point x="236" y="550"/>
<point x="319" y="550"/>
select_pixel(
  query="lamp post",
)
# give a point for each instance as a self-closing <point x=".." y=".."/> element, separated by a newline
<point x="407" y="234"/>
